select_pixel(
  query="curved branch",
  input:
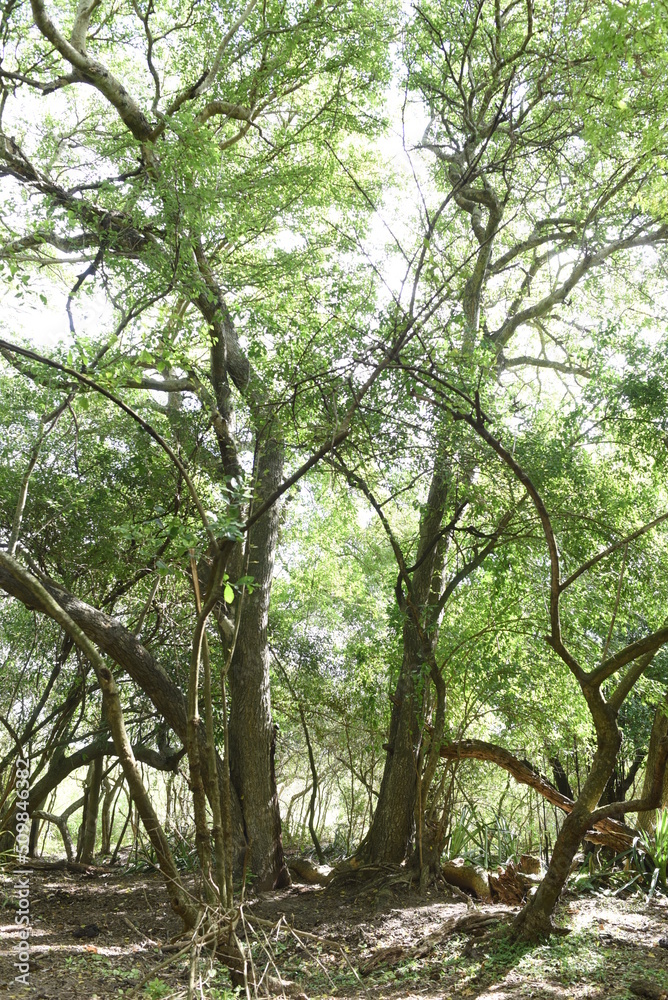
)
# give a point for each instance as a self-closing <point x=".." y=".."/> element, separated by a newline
<point x="502" y="336"/>
<point x="606" y="830"/>
<point x="92" y="71"/>
<point x="631" y="652"/>
<point x="650" y="801"/>
<point x="158" y="438"/>
<point x="116" y="641"/>
<point x="554" y="639"/>
<point x="114" y="716"/>
<point x="62" y="766"/>
<point x="612" y="548"/>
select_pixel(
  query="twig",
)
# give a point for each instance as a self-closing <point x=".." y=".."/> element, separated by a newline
<point x="154" y="944"/>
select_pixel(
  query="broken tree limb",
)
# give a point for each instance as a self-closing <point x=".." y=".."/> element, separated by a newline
<point x="607" y="831"/>
<point x="466" y="876"/>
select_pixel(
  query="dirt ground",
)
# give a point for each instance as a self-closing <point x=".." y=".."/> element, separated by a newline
<point x="383" y="940"/>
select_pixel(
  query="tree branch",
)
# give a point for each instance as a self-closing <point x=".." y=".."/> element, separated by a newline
<point x="502" y="336"/>
<point x="631" y="652"/>
<point x="612" y="548"/>
<point x="80" y="377"/>
<point x="91" y="71"/>
<point x="608" y="831"/>
<point x="650" y="801"/>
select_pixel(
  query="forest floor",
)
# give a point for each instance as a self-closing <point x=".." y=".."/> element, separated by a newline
<point x="385" y="941"/>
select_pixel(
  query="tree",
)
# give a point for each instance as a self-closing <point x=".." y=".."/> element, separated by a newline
<point x="216" y="201"/>
<point x="173" y="178"/>
<point x="535" y="919"/>
<point x="534" y="198"/>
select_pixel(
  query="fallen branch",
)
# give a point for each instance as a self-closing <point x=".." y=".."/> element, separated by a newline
<point x="463" y="875"/>
<point x="133" y="927"/>
<point x="75" y="867"/>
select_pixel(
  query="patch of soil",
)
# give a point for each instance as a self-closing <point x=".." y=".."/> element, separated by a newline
<point x="131" y="917"/>
<point x="379" y="939"/>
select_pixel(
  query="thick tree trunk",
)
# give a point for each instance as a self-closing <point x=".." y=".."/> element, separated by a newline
<point x="392" y="826"/>
<point x="394" y="819"/>
<point x="251" y="730"/>
<point x="534" y="922"/>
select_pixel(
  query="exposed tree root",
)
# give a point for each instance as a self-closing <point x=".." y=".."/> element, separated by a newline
<point x="471" y="923"/>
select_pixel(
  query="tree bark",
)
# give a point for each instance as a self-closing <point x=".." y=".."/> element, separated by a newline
<point x="560" y="777"/>
<point x="179" y="898"/>
<point x="252" y="733"/>
<point x="119" y="643"/>
<point x="606" y="831"/>
<point x="91" y="808"/>
<point x="535" y="920"/>
<point x="111" y="794"/>
<point x="394" y="818"/>
<point x="112" y="711"/>
<point x="392" y="825"/>
<point x="647" y="818"/>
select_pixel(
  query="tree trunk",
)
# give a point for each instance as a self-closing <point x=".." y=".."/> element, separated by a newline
<point x="535" y="920"/>
<point x="126" y="650"/>
<point x="394" y="819"/>
<point x="91" y="808"/>
<point x="252" y="733"/>
<point x="112" y="711"/>
<point x="392" y="826"/>
<point x="179" y="897"/>
<point x="561" y="781"/>
<point x="35" y="827"/>
<point x="112" y="791"/>
<point x="647" y="819"/>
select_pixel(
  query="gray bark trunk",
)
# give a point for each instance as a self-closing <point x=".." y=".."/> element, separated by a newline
<point x="251" y="730"/>
<point x="394" y="819"/>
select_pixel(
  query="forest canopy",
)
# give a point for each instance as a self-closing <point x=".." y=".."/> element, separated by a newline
<point x="333" y="395"/>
